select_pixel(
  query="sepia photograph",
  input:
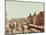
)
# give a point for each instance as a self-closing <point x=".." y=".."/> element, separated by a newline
<point x="24" y="17"/>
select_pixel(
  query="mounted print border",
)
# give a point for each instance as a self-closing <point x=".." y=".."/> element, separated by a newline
<point x="24" y="17"/>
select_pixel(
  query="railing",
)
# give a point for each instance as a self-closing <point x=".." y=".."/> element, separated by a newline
<point x="36" y="28"/>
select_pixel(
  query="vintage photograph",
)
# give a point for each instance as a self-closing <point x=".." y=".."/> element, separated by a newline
<point x="24" y="17"/>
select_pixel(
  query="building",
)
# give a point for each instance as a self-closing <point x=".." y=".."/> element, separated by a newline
<point x="29" y="22"/>
<point x="34" y="18"/>
<point x="40" y="19"/>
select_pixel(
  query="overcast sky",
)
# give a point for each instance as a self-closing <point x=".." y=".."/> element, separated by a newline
<point x="22" y="9"/>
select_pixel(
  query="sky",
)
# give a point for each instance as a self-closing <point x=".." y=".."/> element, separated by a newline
<point x="22" y="9"/>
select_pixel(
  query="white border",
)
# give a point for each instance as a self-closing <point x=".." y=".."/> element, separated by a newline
<point x="2" y="16"/>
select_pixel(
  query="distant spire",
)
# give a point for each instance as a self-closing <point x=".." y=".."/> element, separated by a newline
<point x="35" y="14"/>
<point x="30" y="14"/>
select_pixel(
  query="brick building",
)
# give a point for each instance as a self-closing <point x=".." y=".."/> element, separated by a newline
<point x="40" y="19"/>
